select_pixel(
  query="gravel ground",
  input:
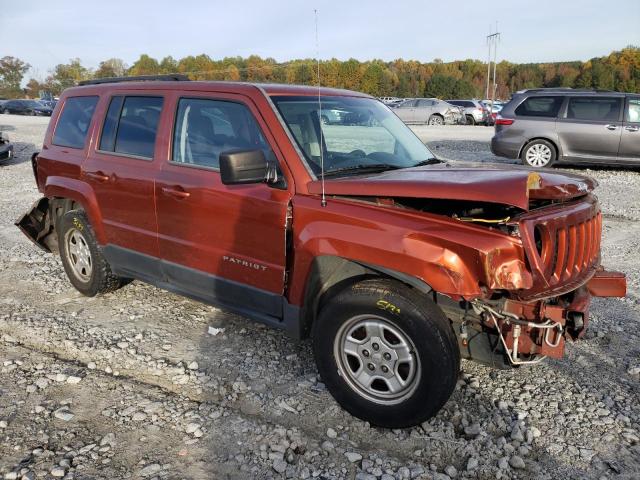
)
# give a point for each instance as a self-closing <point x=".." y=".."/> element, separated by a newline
<point x="142" y="383"/>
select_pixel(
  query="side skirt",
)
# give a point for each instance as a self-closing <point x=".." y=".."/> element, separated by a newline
<point x="265" y="307"/>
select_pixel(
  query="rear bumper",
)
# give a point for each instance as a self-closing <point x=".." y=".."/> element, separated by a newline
<point x="506" y="147"/>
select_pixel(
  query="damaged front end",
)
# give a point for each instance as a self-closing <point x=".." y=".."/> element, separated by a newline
<point x="528" y="332"/>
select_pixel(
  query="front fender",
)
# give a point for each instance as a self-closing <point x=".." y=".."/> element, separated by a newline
<point x="452" y="257"/>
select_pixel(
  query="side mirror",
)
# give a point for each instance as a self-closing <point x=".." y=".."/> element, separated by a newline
<point x="243" y="166"/>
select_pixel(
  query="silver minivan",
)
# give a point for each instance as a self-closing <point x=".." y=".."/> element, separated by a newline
<point x="546" y="126"/>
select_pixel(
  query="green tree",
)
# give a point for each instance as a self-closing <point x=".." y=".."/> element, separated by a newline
<point x="145" y="65"/>
<point x="12" y="72"/>
<point x="67" y="75"/>
<point x="168" y="65"/>
<point x="113" y="67"/>
<point x="441" y="86"/>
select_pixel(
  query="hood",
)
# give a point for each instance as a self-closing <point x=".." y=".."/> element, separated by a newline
<point x="504" y="185"/>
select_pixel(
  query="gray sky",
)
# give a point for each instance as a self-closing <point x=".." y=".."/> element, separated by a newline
<point x="45" y="33"/>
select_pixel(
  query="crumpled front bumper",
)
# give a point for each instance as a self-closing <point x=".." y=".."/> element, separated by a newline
<point x="531" y="331"/>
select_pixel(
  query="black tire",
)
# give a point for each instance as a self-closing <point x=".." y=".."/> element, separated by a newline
<point x="324" y="119"/>
<point x="412" y="313"/>
<point x="6" y="112"/>
<point x="435" y="119"/>
<point x="100" y="279"/>
<point x="542" y="144"/>
<point x="471" y="120"/>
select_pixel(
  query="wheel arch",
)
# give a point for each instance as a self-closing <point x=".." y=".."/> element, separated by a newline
<point x="58" y="189"/>
<point x="329" y="274"/>
<point x="553" y="142"/>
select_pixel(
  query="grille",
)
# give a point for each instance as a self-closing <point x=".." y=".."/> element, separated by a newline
<point x="563" y="244"/>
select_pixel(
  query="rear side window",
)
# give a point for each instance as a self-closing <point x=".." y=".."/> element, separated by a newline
<point x="426" y="103"/>
<point x="73" y="124"/>
<point x="131" y="125"/>
<point x="633" y="112"/>
<point x="540" y="107"/>
<point x="205" y="128"/>
<point x="594" y="108"/>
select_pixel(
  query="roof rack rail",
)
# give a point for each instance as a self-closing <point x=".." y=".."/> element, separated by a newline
<point x="174" y="77"/>
<point x="564" y="89"/>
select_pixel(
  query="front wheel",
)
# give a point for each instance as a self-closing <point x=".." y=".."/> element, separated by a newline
<point x="386" y="352"/>
<point x="6" y="111"/>
<point x="435" y="120"/>
<point x="82" y="258"/>
<point x="538" y="154"/>
<point x="471" y="120"/>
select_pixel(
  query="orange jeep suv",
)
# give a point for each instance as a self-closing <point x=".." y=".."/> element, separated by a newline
<point x="350" y="232"/>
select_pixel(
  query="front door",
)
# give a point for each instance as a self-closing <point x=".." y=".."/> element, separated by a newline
<point x="630" y="139"/>
<point x="120" y="169"/>
<point x="590" y="128"/>
<point x="220" y="243"/>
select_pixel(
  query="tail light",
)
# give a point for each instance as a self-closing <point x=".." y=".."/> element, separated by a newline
<point x="503" y="121"/>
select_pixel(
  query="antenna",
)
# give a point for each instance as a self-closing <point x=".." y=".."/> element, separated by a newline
<point x="323" y="202"/>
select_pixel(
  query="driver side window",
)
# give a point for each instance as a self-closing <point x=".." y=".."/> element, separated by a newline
<point x="205" y="128"/>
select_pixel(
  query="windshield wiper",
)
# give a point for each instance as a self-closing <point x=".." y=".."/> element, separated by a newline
<point x="363" y="168"/>
<point x="428" y="161"/>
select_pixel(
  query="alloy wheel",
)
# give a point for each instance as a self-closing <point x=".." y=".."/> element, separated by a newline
<point x="79" y="255"/>
<point x="538" y="155"/>
<point x="377" y="359"/>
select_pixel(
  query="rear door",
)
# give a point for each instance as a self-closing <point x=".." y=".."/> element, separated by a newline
<point x="590" y="127"/>
<point x="424" y="110"/>
<point x="406" y="111"/>
<point x="224" y="244"/>
<point x="120" y="169"/>
<point x="630" y="136"/>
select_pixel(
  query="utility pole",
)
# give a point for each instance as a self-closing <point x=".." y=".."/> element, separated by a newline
<point x="492" y="43"/>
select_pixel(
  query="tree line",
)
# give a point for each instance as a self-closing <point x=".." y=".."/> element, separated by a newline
<point x="620" y="71"/>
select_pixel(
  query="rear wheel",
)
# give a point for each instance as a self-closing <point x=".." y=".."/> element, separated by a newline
<point x="386" y="352"/>
<point x="538" y="154"/>
<point x="83" y="261"/>
<point x="5" y="111"/>
<point x="436" y="120"/>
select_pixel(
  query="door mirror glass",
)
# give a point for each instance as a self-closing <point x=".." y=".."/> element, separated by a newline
<point x="243" y="166"/>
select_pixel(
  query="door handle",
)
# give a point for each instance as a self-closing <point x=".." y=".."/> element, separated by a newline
<point x="99" y="176"/>
<point x="611" y="126"/>
<point x="632" y="128"/>
<point x="176" y="192"/>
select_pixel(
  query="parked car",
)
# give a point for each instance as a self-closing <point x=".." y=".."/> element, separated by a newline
<point x="51" y="103"/>
<point x="6" y="148"/>
<point x="474" y="111"/>
<point x="430" y="111"/>
<point x="26" y="107"/>
<point x="332" y="115"/>
<point x="547" y="126"/>
<point x="390" y="100"/>
<point x="395" y="264"/>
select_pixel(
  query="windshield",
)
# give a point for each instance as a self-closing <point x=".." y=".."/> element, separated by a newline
<point x="32" y="104"/>
<point x="352" y="133"/>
